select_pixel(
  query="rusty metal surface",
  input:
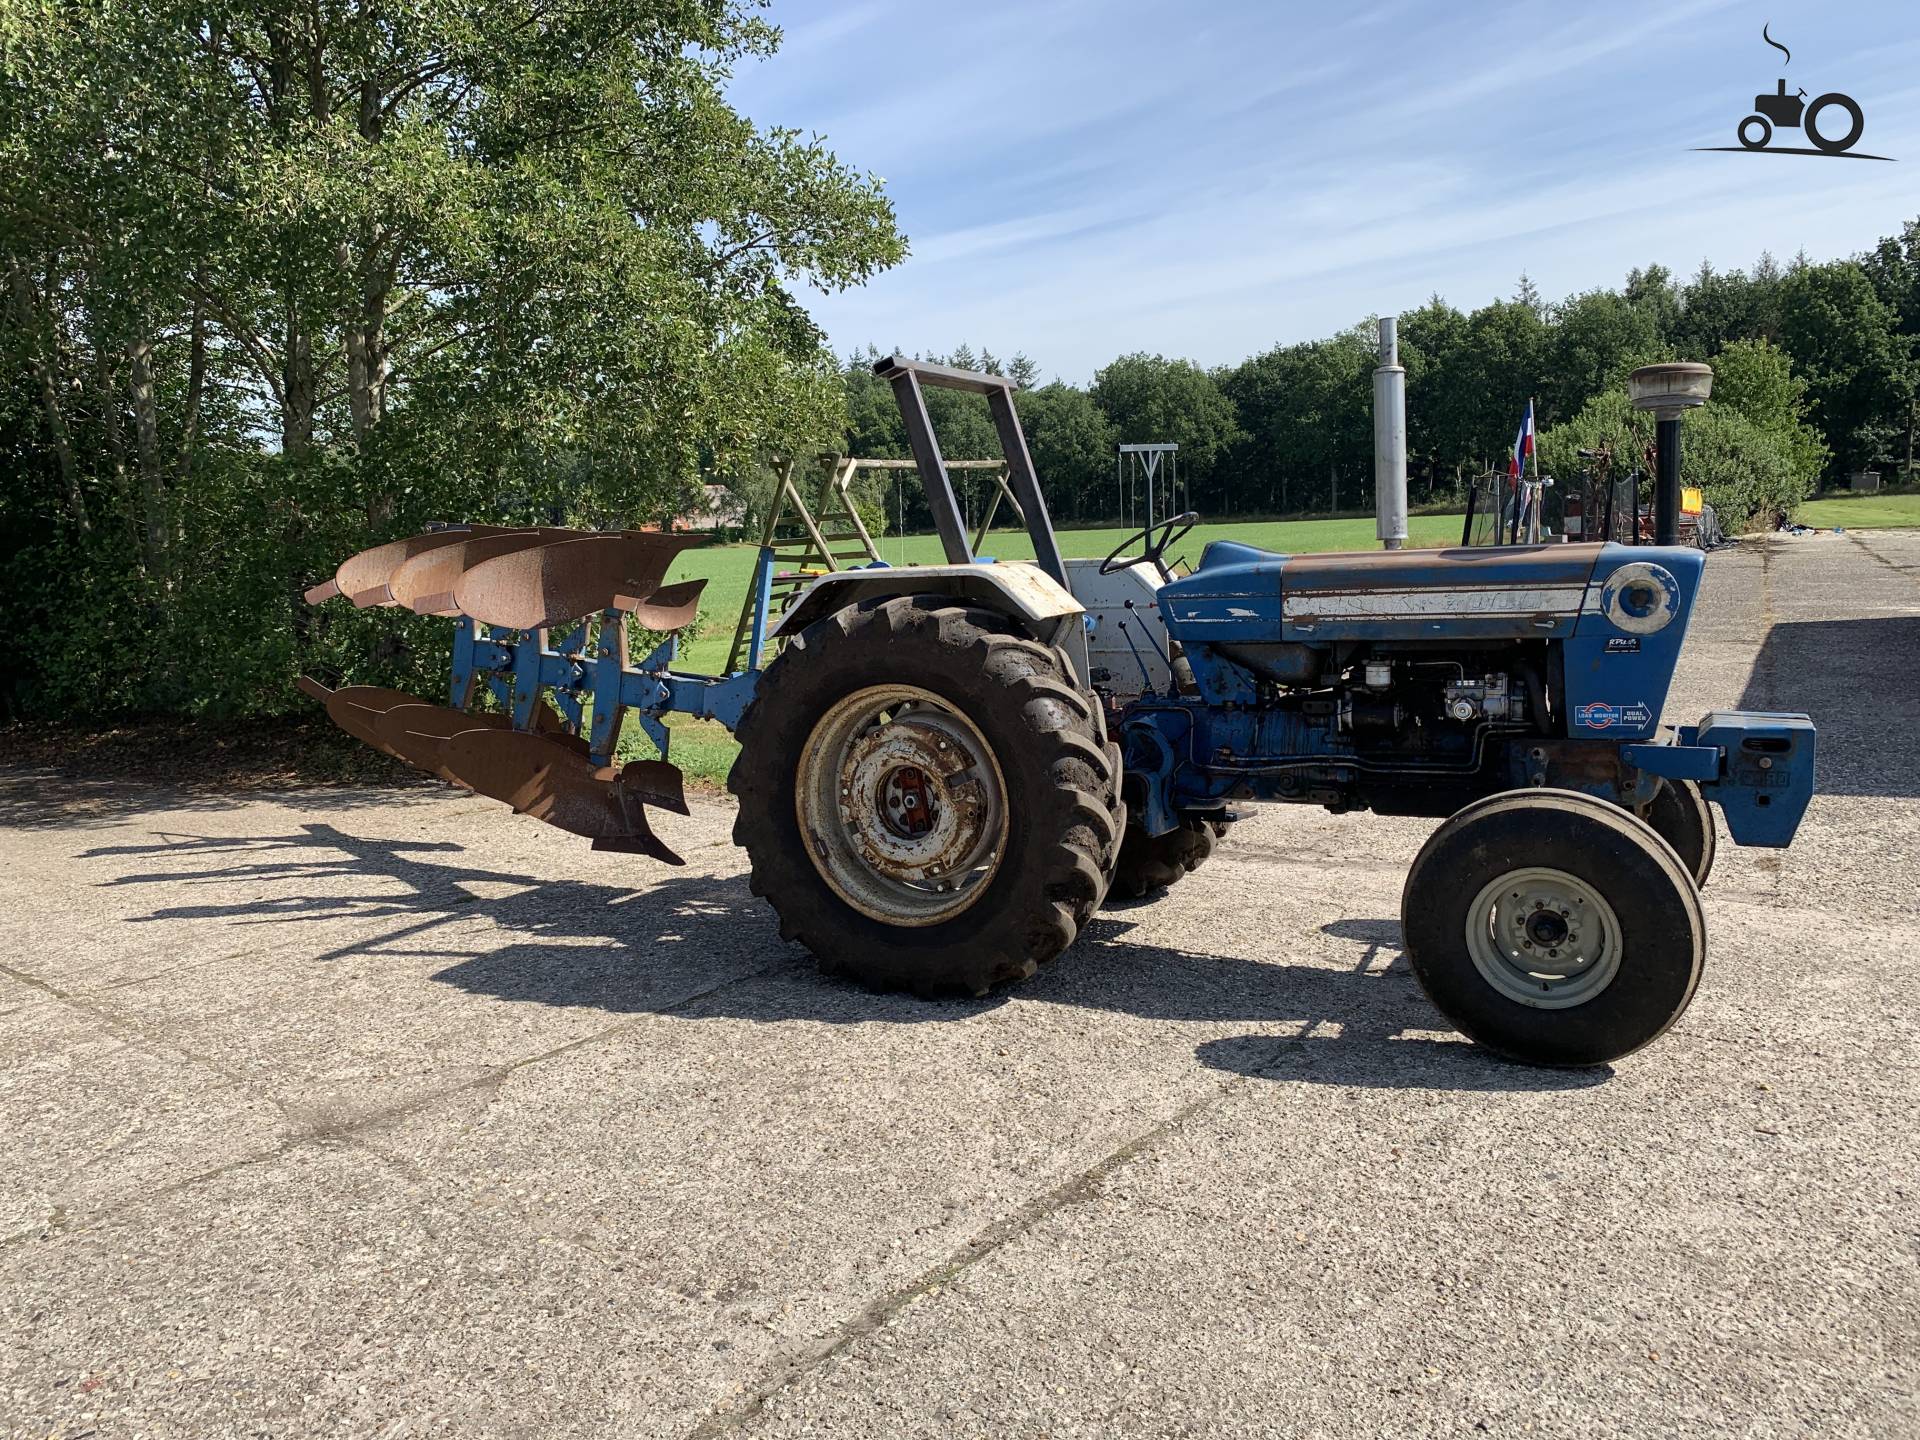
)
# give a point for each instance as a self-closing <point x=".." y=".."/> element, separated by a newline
<point x="362" y="576"/>
<point x="552" y="782"/>
<point x="425" y="583"/>
<point x="357" y="709"/>
<point x="571" y="576"/>
<point x="652" y="782"/>
<point x="520" y="579"/>
<point x="668" y="608"/>
<point x="417" y="733"/>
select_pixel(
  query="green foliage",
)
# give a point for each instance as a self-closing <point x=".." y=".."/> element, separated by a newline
<point x="1843" y="339"/>
<point x="1755" y="379"/>
<point x="1150" y="399"/>
<point x="1595" y="341"/>
<point x="1744" y="471"/>
<point x="1072" y="444"/>
<point x="283" y="280"/>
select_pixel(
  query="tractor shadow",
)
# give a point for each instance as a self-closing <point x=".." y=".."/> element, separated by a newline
<point x="702" y="947"/>
<point x="1857" y="678"/>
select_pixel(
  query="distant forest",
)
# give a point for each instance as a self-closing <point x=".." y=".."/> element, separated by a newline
<point x="1815" y="377"/>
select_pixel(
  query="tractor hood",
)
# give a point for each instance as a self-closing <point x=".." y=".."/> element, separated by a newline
<point x="1241" y="593"/>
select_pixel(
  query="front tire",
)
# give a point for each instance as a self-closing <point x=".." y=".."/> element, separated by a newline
<point x="928" y="800"/>
<point x="1682" y="817"/>
<point x="1150" y="863"/>
<point x="1553" y="927"/>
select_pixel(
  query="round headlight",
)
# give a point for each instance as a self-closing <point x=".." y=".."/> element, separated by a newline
<point x="1641" y="598"/>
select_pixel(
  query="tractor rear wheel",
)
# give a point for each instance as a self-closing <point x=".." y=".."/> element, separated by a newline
<point x="1153" y="862"/>
<point x="1553" y="927"/>
<point x="1683" y="818"/>
<point x="928" y="800"/>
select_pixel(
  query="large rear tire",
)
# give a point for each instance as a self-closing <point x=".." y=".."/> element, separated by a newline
<point x="1553" y="928"/>
<point x="928" y="800"/>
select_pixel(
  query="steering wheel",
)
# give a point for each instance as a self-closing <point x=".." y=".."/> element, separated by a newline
<point x="1155" y="541"/>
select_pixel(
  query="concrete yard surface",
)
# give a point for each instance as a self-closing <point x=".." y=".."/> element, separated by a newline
<point x="391" y="1114"/>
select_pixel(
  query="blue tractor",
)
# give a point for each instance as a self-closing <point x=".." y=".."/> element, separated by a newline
<point x="947" y="769"/>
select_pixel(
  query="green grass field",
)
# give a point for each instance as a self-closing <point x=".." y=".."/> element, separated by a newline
<point x="705" y="751"/>
<point x="1861" y="512"/>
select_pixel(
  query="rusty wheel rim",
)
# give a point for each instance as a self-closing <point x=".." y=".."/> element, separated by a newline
<point x="902" y="805"/>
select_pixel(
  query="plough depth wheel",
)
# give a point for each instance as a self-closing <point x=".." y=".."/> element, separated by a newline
<point x="927" y="800"/>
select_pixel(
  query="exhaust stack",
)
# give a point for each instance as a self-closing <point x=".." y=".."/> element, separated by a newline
<point x="1390" y="439"/>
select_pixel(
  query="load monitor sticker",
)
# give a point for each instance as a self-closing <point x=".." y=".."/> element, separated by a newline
<point x="1600" y="715"/>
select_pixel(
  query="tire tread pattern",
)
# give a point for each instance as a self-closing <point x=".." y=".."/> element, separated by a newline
<point x="1062" y="773"/>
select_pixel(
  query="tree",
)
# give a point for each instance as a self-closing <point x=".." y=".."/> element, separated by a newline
<point x="1719" y="307"/>
<point x="1149" y="398"/>
<point x="1653" y="292"/>
<point x="1756" y="380"/>
<point x="1596" y="339"/>
<point x="1745" y="474"/>
<point x="298" y="276"/>
<point x="1843" y="341"/>
<point x="1442" y="401"/>
<point x="1507" y="343"/>
<point x="1072" y="446"/>
<point x="1893" y="267"/>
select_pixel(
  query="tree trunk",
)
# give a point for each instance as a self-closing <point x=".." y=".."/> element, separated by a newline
<point x="146" y="436"/>
<point x="41" y="362"/>
<point x="196" y="389"/>
<point x="297" y="391"/>
<point x="108" y="392"/>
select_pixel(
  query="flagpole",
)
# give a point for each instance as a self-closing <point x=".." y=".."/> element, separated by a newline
<point x="1539" y="493"/>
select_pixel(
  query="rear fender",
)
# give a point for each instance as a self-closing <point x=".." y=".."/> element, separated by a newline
<point x="1044" y="607"/>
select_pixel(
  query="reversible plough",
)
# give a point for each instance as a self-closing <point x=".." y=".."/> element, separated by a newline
<point x="544" y="618"/>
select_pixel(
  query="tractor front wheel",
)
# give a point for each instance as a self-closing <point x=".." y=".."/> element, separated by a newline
<point x="1153" y="862"/>
<point x="1553" y="927"/>
<point x="928" y="800"/>
<point x="1684" y="820"/>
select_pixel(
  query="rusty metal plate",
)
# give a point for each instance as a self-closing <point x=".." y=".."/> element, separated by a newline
<point x="425" y="584"/>
<point x="417" y="732"/>
<point x="554" y="783"/>
<point x="550" y="584"/>
<point x="653" y="782"/>
<point x="668" y="608"/>
<point x="357" y="709"/>
<point x="362" y="577"/>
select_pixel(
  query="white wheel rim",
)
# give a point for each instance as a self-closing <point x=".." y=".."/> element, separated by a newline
<point x="901" y="804"/>
<point x="1544" y="938"/>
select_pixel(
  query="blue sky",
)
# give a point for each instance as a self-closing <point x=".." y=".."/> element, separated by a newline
<point x="1082" y="178"/>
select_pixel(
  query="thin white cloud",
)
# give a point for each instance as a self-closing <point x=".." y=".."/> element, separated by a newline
<point x="1085" y="179"/>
